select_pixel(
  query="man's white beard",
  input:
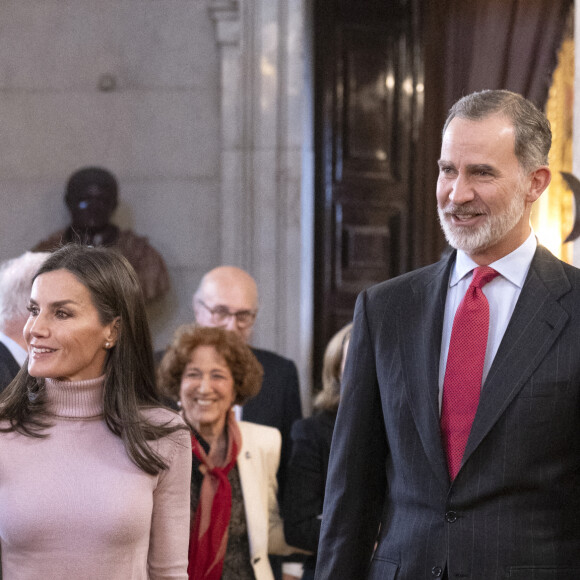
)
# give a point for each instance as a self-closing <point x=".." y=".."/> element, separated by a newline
<point x="494" y="227"/>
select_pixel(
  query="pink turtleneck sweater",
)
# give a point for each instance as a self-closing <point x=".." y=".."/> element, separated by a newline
<point x="74" y="506"/>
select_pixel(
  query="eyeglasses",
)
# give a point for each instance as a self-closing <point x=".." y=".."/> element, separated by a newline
<point x="220" y="314"/>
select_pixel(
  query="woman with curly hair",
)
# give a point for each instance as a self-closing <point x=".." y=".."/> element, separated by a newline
<point x="235" y="518"/>
<point x="94" y="473"/>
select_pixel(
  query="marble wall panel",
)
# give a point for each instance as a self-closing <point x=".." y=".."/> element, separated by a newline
<point x="267" y="260"/>
<point x="66" y="44"/>
<point x="26" y="214"/>
<point x="179" y="216"/>
<point x="158" y="129"/>
<point x="138" y="132"/>
<point x="167" y="315"/>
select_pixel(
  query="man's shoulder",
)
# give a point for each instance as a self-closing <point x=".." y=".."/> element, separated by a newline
<point x="4" y="350"/>
<point x="6" y="357"/>
<point x="271" y="359"/>
<point x="558" y="275"/>
<point x="8" y="366"/>
<point x="278" y="402"/>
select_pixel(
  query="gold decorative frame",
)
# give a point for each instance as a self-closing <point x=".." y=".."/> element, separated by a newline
<point x="553" y="214"/>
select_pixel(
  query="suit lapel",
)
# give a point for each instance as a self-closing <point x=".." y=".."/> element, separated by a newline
<point x="8" y="359"/>
<point x="419" y="333"/>
<point x="536" y="323"/>
<point x="252" y="494"/>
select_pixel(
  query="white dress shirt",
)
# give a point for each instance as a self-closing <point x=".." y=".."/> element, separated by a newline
<point x="502" y="293"/>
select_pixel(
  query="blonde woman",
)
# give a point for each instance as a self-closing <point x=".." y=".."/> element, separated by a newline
<point x="311" y="438"/>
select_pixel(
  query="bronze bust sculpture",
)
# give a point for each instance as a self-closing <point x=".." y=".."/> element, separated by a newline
<point x="91" y="197"/>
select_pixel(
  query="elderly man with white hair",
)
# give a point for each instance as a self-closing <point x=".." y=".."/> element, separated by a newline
<point x="15" y="282"/>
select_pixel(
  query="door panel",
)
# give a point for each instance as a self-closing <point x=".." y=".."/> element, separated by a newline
<point x="369" y="110"/>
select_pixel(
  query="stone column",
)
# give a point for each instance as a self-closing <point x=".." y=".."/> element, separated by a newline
<point x="267" y="165"/>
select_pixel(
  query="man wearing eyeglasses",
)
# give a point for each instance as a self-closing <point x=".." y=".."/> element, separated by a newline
<point x="228" y="297"/>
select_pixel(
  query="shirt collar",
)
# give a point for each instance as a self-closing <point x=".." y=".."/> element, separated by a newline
<point x="513" y="267"/>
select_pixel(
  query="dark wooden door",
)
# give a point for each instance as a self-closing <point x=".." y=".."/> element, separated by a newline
<point x="369" y="120"/>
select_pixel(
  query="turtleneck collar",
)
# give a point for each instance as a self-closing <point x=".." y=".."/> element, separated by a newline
<point x="75" y="399"/>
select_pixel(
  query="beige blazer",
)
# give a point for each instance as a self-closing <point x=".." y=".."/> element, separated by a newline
<point x="257" y="465"/>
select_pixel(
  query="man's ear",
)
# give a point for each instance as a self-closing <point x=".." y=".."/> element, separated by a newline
<point x="539" y="180"/>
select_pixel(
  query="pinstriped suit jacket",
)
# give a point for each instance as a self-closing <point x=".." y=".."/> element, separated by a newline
<point x="514" y="509"/>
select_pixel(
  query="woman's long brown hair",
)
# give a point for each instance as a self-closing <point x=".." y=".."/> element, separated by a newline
<point x="129" y="369"/>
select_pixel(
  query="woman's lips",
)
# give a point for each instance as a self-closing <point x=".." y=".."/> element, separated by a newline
<point x="38" y="351"/>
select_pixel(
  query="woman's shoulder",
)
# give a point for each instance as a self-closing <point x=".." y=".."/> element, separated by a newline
<point x="259" y="432"/>
<point x="161" y="416"/>
<point x="261" y="441"/>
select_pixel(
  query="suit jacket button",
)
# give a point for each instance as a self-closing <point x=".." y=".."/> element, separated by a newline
<point x="451" y="516"/>
<point x="436" y="571"/>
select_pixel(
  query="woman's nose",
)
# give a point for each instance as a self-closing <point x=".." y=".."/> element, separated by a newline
<point x="36" y="326"/>
<point x="204" y="384"/>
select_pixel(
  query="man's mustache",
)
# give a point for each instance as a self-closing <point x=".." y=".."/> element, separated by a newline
<point x="464" y="209"/>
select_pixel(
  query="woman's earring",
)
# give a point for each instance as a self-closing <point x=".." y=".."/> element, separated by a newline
<point x="107" y="345"/>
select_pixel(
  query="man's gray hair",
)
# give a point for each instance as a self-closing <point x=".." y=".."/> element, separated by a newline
<point x="15" y="283"/>
<point x="533" y="136"/>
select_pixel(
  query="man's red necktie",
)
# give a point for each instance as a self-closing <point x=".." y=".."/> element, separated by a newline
<point x="462" y="383"/>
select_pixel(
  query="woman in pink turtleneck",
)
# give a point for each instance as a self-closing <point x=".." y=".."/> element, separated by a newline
<point x="94" y="474"/>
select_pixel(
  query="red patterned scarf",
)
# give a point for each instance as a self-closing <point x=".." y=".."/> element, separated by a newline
<point x="209" y="529"/>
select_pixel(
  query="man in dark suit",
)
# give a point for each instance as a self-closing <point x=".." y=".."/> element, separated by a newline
<point x="417" y="493"/>
<point x="228" y="297"/>
<point x="15" y="282"/>
<point x="9" y="366"/>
